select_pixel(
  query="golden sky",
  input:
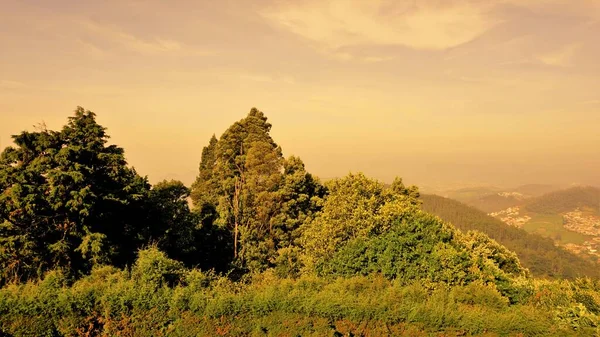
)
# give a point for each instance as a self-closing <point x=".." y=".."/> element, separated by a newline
<point x="438" y="92"/>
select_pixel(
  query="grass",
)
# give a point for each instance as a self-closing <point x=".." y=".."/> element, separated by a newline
<point x="114" y="303"/>
<point x="551" y="226"/>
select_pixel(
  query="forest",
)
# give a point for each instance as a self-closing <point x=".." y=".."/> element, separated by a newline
<point x="258" y="246"/>
<point x="584" y="197"/>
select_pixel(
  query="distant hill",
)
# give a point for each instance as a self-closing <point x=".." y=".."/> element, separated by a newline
<point x="471" y="193"/>
<point x="494" y="202"/>
<point x="535" y="190"/>
<point x="584" y="197"/>
<point x="493" y="199"/>
<point x="537" y="253"/>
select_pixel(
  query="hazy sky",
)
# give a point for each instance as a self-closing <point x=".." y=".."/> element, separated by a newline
<point x="495" y="91"/>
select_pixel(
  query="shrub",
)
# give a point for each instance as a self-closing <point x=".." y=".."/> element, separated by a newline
<point x="478" y="293"/>
<point x="154" y="268"/>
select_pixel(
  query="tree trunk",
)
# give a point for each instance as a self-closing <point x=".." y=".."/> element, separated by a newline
<point x="239" y="183"/>
<point x="235" y="240"/>
<point x="236" y="214"/>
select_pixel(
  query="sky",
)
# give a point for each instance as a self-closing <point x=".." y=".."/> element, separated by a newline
<point x="439" y="92"/>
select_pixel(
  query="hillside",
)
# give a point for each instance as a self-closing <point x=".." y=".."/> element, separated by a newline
<point x="512" y="197"/>
<point x="470" y="193"/>
<point x="584" y="197"/>
<point x="495" y="202"/>
<point x="537" y="253"/>
<point x="535" y="190"/>
<point x="494" y="199"/>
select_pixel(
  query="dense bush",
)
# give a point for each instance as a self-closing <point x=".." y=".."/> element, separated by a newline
<point x="158" y="297"/>
<point x="422" y="247"/>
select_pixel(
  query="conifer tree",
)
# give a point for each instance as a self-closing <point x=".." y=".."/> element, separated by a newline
<point x="68" y="200"/>
<point x="255" y="193"/>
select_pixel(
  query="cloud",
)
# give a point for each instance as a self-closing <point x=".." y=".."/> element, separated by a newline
<point x="129" y="41"/>
<point x="375" y="59"/>
<point x="92" y="50"/>
<point x="96" y="36"/>
<point x="580" y="8"/>
<point x="12" y="85"/>
<point x="563" y="57"/>
<point x="267" y="79"/>
<point x="419" y="25"/>
<point x="350" y="56"/>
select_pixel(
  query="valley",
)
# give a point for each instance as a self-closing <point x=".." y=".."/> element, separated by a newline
<point x="570" y="217"/>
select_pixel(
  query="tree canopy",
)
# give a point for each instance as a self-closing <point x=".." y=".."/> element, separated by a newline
<point x="68" y="200"/>
<point x="257" y="195"/>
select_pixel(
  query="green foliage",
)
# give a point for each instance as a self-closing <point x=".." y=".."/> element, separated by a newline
<point x="487" y="250"/>
<point x="301" y="196"/>
<point x="354" y="257"/>
<point x="92" y="246"/>
<point x="186" y="236"/>
<point x="479" y="293"/>
<point x="288" y="262"/>
<point x="355" y="207"/>
<point x="366" y="228"/>
<point x="110" y="302"/>
<point x="422" y="247"/>
<point x="565" y="201"/>
<point x="576" y="317"/>
<point x="68" y="200"/>
<point x="154" y="268"/>
<point x="255" y="194"/>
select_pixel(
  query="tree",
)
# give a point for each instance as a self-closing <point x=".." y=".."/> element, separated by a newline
<point x="68" y="200"/>
<point x="356" y="207"/>
<point x="489" y="251"/>
<point x="254" y="191"/>
<point x="301" y="196"/>
<point x="203" y="190"/>
<point x="172" y="224"/>
<point x="246" y="171"/>
<point x="183" y="235"/>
